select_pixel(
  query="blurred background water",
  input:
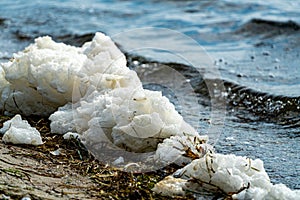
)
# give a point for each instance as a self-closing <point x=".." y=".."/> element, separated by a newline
<point x="255" y="44"/>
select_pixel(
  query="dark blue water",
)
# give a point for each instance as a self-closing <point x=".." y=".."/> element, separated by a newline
<point x="254" y="44"/>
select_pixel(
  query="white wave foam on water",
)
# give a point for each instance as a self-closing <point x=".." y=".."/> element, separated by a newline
<point x="90" y="91"/>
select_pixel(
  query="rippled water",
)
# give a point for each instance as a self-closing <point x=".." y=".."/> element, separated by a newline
<point x="254" y="44"/>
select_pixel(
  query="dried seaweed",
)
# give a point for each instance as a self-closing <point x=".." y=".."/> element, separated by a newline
<point x="110" y="183"/>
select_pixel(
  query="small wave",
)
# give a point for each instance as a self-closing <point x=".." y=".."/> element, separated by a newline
<point x="261" y="26"/>
<point x="75" y="39"/>
<point x="21" y="36"/>
<point x="190" y="73"/>
<point x="282" y="25"/>
<point x="2" y="21"/>
<point x="268" y="107"/>
<point x="71" y="39"/>
<point x="248" y="104"/>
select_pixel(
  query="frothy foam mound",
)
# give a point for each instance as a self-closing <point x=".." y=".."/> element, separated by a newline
<point x="239" y="176"/>
<point x="41" y="78"/>
<point x="95" y="90"/>
<point x="90" y="91"/>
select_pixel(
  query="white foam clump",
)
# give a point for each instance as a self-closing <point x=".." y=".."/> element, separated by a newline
<point x="95" y="89"/>
<point x="4" y="88"/>
<point x="70" y="135"/>
<point x="41" y="78"/>
<point x="115" y="106"/>
<point x="171" y="186"/>
<point x="239" y="176"/>
<point x="182" y="149"/>
<point x="18" y="131"/>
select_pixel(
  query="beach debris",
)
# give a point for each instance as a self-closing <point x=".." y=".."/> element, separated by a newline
<point x="18" y="131"/>
<point x="130" y="166"/>
<point x="4" y="197"/>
